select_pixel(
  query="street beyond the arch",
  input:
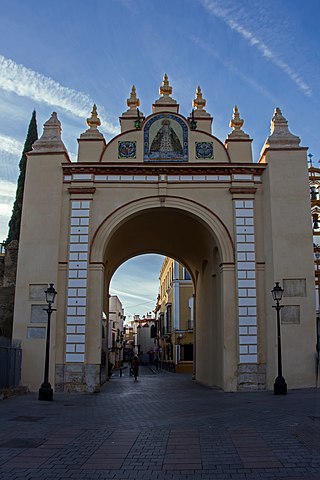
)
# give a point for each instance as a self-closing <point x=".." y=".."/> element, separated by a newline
<point x="163" y="426"/>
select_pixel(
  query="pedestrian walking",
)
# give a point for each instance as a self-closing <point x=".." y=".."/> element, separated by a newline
<point x="135" y="367"/>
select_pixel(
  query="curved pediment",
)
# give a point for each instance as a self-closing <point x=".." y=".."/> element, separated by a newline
<point x="165" y="137"/>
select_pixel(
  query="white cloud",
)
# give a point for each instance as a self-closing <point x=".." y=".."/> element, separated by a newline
<point x="7" y="189"/>
<point x="7" y="194"/>
<point x="208" y="49"/>
<point x="3" y="226"/>
<point x="25" y="82"/>
<point x="73" y="156"/>
<point x="10" y="145"/>
<point x="14" y="147"/>
<point x="215" y="9"/>
<point x="5" y="208"/>
<point x="120" y="293"/>
<point x="134" y="303"/>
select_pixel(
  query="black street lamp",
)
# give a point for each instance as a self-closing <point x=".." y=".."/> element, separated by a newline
<point x="45" y="391"/>
<point x="280" y="386"/>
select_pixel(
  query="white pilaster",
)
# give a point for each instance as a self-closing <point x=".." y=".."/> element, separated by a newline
<point x="246" y="274"/>
<point x="77" y="281"/>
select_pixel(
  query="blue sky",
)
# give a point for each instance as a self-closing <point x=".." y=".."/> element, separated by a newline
<point x="64" y="55"/>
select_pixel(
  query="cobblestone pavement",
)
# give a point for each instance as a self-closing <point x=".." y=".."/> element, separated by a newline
<point x="161" y="427"/>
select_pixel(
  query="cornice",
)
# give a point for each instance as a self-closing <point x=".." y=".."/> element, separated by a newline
<point x="163" y="169"/>
<point x="281" y="149"/>
<point x="45" y="154"/>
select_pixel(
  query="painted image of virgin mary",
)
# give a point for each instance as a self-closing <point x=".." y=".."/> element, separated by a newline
<point x="166" y="142"/>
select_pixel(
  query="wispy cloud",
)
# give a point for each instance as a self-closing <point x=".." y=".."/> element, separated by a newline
<point x="10" y="145"/>
<point x="25" y="82"/>
<point x="208" y="49"/>
<point x="130" y="295"/>
<point x="14" y="147"/>
<point x="214" y="7"/>
<point x="134" y="303"/>
<point x="7" y="193"/>
<point x="7" y="189"/>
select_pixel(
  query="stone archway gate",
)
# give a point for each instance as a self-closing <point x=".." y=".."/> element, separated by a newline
<point x="251" y="220"/>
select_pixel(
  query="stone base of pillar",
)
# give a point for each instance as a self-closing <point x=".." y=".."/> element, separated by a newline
<point x="75" y="377"/>
<point x="251" y="377"/>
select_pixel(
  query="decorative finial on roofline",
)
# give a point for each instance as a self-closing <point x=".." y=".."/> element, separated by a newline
<point x="165" y="89"/>
<point x="236" y="122"/>
<point x="50" y="139"/>
<point x="94" y="121"/>
<point x="280" y="136"/>
<point x="280" y="133"/>
<point x="199" y="102"/>
<point x="133" y="102"/>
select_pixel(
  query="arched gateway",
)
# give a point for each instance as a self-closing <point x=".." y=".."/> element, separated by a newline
<point x="166" y="185"/>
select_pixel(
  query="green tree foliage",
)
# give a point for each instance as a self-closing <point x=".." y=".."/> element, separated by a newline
<point x="15" y="221"/>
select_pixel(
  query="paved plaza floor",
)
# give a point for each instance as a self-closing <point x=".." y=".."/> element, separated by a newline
<point x="161" y="427"/>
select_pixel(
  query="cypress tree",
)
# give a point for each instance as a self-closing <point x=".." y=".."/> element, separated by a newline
<point x="15" y="221"/>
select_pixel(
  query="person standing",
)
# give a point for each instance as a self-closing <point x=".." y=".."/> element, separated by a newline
<point x="135" y="367"/>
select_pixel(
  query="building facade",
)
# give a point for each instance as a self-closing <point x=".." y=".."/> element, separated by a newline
<point x="144" y="333"/>
<point x="115" y="331"/>
<point x="175" y="316"/>
<point x="237" y="227"/>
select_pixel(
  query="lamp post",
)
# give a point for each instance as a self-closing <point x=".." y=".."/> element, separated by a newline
<point x="280" y="386"/>
<point x="45" y="391"/>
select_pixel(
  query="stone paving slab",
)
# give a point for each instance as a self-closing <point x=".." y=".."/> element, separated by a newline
<point x="162" y="427"/>
<point x="252" y="449"/>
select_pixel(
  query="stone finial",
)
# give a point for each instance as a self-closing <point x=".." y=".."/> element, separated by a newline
<point x="279" y="124"/>
<point x="133" y="102"/>
<point x="165" y="89"/>
<point x="236" y="124"/>
<point x="93" y="123"/>
<point x="280" y="136"/>
<point x="50" y="140"/>
<point x="165" y="92"/>
<point x="199" y="102"/>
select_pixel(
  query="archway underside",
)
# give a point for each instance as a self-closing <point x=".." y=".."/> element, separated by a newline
<point x="166" y="231"/>
<point x="184" y="237"/>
